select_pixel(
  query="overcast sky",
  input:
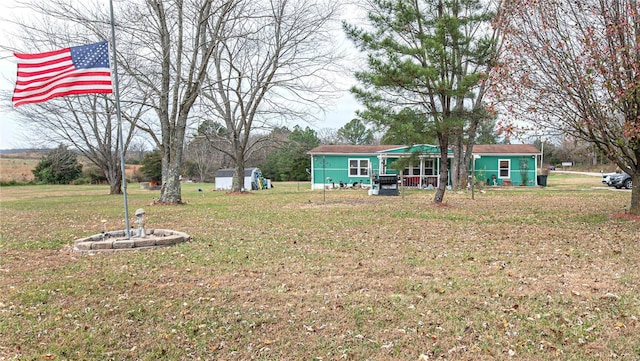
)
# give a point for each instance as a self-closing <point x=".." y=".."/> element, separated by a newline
<point x="14" y="135"/>
<point x="9" y="128"/>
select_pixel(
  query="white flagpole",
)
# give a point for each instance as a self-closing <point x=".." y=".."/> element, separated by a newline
<point x="120" y="137"/>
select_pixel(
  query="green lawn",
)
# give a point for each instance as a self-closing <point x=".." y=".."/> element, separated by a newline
<point x="520" y="273"/>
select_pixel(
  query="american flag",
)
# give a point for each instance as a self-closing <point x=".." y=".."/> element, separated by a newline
<point x="76" y="70"/>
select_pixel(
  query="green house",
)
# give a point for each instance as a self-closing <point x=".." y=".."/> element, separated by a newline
<point x="506" y="164"/>
<point x="334" y="166"/>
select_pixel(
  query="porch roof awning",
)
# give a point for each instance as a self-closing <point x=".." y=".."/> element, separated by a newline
<point x="420" y="149"/>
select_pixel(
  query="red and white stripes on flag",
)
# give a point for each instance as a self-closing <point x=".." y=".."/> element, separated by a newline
<point x="76" y="70"/>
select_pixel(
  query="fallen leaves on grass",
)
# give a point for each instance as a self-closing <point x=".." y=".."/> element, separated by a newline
<point x="627" y="216"/>
<point x="274" y="276"/>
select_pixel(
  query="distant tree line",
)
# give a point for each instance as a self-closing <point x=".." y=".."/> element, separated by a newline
<point x="284" y="157"/>
<point x="282" y="154"/>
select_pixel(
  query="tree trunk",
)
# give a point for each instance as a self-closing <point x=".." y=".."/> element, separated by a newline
<point x="444" y="168"/>
<point x="462" y="154"/>
<point x="237" y="183"/>
<point x="444" y="179"/>
<point x="115" y="186"/>
<point x="171" y="191"/>
<point x="635" y="194"/>
<point x="457" y="181"/>
<point x="467" y="158"/>
<point x="113" y="173"/>
<point x="465" y="155"/>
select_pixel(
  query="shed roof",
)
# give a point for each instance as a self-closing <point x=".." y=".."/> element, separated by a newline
<point x="505" y="149"/>
<point x="222" y="173"/>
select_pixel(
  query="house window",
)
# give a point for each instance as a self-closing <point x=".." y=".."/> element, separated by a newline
<point x="414" y="170"/>
<point x="428" y="167"/>
<point x="358" y="167"/>
<point x="504" y="168"/>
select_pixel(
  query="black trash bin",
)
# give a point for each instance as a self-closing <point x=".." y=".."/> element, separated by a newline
<point x="542" y="180"/>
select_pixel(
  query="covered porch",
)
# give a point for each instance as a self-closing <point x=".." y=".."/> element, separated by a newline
<point x="417" y="166"/>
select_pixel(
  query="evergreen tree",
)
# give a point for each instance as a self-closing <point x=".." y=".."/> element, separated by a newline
<point x="60" y="166"/>
<point x="429" y="57"/>
<point x="152" y="165"/>
<point x="356" y="133"/>
<point x="486" y="132"/>
<point x="408" y="128"/>
<point x="303" y="140"/>
<point x="291" y="161"/>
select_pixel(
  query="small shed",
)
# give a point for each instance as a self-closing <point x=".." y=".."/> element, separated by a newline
<point x="253" y="179"/>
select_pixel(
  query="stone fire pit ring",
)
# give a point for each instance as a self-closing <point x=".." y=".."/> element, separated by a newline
<point x="118" y="241"/>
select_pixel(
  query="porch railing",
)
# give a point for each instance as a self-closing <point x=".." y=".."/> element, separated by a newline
<point x="413" y="181"/>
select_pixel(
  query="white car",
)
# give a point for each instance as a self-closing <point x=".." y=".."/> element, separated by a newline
<point x="606" y="177"/>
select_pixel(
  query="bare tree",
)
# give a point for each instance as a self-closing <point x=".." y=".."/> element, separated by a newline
<point x="328" y="136"/>
<point x="87" y="122"/>
<point x="205" y="158"/>
<point x="164" y="50"/>
<point x="274" y="64"/>
<point x="574" y="67"/>
<point x="262" y="62"/>
<point x="172" y="43"/>
<point x="136" y="150"/>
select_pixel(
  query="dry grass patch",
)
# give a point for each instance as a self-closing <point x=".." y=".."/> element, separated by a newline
<point x="14" y="168"/>
<point x="535" y="274"/>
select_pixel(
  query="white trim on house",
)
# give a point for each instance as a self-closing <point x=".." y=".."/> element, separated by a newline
<point x="500" y="169"/>
<point x="359" y="167"/>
